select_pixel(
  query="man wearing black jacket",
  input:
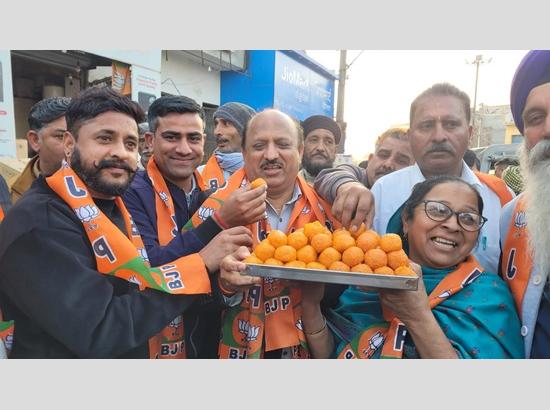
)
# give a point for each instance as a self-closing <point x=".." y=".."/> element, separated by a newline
<point x="51" y="283"/>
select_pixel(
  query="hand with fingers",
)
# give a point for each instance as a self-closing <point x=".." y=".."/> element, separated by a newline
<point x="244" y="206"/>
<point x="406" y="304"/>
<point x="223" y="244"/>
<point x="354" y="204"/>
<point x="231" y="272"/>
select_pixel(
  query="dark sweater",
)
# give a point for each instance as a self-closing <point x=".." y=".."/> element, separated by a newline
<point x="62" y="306"/>
<point x="202" y="322"/>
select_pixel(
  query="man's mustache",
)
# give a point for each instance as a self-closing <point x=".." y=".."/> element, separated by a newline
<point x="111" y="163"/>
<point x="440" y="147"/>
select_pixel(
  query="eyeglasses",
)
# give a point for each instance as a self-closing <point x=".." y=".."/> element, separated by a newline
<point x="439" y="212"/>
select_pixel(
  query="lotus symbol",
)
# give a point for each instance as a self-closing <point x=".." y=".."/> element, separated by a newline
<point x="87" y="213"/>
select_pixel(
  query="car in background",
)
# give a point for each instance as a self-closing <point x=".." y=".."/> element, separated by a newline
<point x="490" y="155"/>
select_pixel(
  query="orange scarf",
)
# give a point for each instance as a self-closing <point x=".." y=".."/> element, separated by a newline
<point x="1" y="214"/>
<point x="170" y="342"/>
<point x="391" y="337"/>
<point x="125" y="256"/>
<point x="213" y="174"/>
<point x="497" y="185"/>
<point x="270" y="315"/>
<point x="517" y="262"/>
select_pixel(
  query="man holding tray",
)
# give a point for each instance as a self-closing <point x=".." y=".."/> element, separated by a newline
<point x="267" y="323"/>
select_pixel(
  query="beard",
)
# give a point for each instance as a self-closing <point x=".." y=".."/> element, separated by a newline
<point x="535" y="167"/>
<point x="92" y="176"/>
<point x="315" y="168"/>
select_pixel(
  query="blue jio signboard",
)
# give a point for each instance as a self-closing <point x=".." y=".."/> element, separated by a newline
<point x="299" y="91"/>
<point x="287" y="80"/>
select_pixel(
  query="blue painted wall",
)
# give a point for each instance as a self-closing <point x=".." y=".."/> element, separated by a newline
<point x="286" y="80"/>
<point x="255" y="87"/>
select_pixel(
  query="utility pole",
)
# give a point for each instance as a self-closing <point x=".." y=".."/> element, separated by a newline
<point x="343" y="72"/>
<point x="340" y="103"/>
<point x="478" y="60"/>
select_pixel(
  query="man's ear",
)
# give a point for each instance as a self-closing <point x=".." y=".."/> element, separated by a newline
<point x="149" y="139"/>
<point x="68" y="145"/>
<point x="34" y="140"/>
<point x="370" y="156"/>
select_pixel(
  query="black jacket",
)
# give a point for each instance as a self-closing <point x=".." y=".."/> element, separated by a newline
<point x="62" y="306"/>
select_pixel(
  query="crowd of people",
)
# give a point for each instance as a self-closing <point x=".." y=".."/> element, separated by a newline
<point x="115" y="242"/>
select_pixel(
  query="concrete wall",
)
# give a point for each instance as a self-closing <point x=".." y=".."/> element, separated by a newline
<point x="181" y="76"/>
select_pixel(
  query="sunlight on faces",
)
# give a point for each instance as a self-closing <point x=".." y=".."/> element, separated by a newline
<point x="48" y="142"/>
<point x="391" y="155"/>
<point x="535" y="165"/>
<point x="442" y="244"/>
<point x="178" y="145"/>
<point x="228" y="138"/>
<point x="272" y="151"/>
<point x="319" y="151"/>
<point x="439" y="135"/>
<point x="105" y="152"/>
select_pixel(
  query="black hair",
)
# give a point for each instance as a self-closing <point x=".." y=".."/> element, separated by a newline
<point x="171" y="104"/>
<point x="46" y="111"/>
<point x="421" y="189"/>
<point x="470" y="158"/>
<point x="442" y="90"/>
<point x="95" y="101"/>
<point x="297" y="124"/>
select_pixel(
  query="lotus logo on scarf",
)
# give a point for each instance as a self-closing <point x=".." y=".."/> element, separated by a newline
<point x="375" y="342"/>
<point x="306" y="210"/>
<point x="519" y="220"/>
<point x="205" y="212"/>
<point x="8" y="342"/>
<point x="87" y="213"/>
<point x="445" y="294"/>
<point x="250" y="332"/>
<point x="163" y="196"/>
<point x="299" y="324"/>
<point x="174" y="324"/>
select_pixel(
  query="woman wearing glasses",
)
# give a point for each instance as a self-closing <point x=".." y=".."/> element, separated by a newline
<point x="458" y="311"/>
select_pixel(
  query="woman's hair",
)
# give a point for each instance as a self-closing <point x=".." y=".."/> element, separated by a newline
<point x="421" y="189"/>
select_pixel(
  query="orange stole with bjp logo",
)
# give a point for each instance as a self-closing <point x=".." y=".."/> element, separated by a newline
<point x="517" y="260"/>
<point x="213" y="173"/>
<point x="269" y="316"/>
<point x="170" y="342"/>
<point x="125" y="256"/>
<point x="390" y="337"/>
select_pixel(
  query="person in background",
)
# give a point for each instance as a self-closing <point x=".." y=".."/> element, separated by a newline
<point x="321" y="137"/>
<point x="144" y="151"/>
<point x="439" y="135"/>
<point x="45" y="136"/>
<point x="230" y="121"/>
<point x="471" y="159"/>
<point x="513" y="178"/>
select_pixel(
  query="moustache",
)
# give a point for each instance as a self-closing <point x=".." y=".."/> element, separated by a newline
<point x="441" y="147"/>
<point x="538" y="155"/>
<point x="111" y="163"/>
<point x="272" y="162"/>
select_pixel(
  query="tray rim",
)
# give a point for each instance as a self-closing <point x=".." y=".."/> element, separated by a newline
<point x="372" y="280"/>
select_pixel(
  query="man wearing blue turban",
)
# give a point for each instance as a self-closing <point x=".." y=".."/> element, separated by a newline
<point x="525" y="236"/>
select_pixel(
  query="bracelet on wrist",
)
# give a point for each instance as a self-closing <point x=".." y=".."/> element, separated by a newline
<point x="318" y="331"/>
<point x="224" y="290"/>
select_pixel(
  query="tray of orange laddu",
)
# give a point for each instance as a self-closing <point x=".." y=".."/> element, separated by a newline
<point x="314" y="253"/>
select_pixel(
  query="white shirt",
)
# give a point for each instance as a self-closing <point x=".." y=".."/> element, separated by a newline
<point x="392" y="190"/>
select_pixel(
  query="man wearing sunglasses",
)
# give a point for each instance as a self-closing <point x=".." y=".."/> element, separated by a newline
<point x="439" y="135"/>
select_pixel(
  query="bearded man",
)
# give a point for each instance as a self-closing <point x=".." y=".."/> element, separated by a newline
<point x="525" y="237"/>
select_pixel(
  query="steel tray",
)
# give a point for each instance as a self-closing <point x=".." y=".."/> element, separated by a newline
<point x="331" y="276"/>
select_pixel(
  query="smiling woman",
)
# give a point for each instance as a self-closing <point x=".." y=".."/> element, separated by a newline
<point x="458" y="310"/>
